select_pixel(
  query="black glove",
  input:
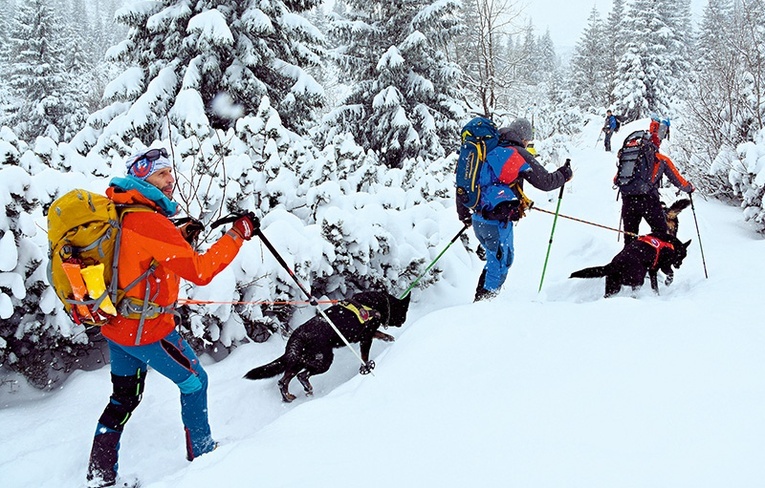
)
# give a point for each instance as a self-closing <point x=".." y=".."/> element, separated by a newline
<point x="190" y="229"/>
<point x="566" y="170"/>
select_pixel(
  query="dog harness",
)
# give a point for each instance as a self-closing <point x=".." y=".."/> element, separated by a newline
<point x="657" y="244"/>
<point x="362" y="312"/>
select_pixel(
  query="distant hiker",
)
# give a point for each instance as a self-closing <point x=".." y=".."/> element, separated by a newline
<point x="155" y="253"/>
<point x="639" y="174"/>
<point x="502" y="202"/>
<point x="609" y="127"/>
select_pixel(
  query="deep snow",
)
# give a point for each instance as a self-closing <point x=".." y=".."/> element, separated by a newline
<point x="554" y="389"/>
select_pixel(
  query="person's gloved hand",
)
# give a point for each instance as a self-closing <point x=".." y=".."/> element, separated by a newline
<point x="190" y="229"/>
<point x="246" y="226"/>
<point x="566" y="170"/>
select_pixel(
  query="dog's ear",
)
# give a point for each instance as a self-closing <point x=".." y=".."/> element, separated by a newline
<point x="686" y="244"/>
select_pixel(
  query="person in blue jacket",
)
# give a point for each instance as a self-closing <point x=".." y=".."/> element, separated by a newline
<point x="609" y="127"/>
<point x="508" y="164"/>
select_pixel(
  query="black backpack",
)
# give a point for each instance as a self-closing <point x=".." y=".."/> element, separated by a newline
<point x="635" y="164"/>
<point x="618" y="120"/>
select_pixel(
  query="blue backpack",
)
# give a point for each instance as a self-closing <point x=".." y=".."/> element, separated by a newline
<point x="479" y="137"/>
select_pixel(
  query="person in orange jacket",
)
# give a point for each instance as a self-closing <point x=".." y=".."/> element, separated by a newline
<point x="154" y="254"/>
<point x="646" y="204"/>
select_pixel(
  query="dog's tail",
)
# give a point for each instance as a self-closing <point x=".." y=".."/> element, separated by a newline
<point x="269" y="370"/>
<point x="594" y="272"/>
<point x="678" y="207"/>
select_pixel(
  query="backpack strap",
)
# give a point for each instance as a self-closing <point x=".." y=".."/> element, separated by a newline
<point x="131" y="307"/>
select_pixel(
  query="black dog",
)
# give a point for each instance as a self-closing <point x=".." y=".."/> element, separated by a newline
<point x="646" y="254"/>
<point x="309" y="348"/>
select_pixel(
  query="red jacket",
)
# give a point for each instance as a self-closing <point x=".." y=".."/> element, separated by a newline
<point x="148" y="237"/>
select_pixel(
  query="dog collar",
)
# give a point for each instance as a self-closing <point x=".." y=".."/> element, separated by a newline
<point x="657" y="244"/>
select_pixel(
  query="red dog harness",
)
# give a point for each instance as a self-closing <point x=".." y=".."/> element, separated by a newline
<point x="657" y="244"/>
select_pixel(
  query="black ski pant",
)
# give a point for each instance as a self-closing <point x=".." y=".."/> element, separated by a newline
<point x="607" y="139"/>
<point x="638" y="207"/>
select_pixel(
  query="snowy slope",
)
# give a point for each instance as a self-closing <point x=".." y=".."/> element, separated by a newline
<point x="551" y="389"/>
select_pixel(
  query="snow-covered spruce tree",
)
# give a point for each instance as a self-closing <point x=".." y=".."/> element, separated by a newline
<point x="748" y="180"/>
<point x="36" y="74"/>
<point x="615" y="38"/>
<point x="725" y="110"/>
<point x="402" y="100"/>
<point x="588" y="65"/>
<point x="714" y="101"/>
<point x="747" y="175"/>
<point x="677" y="38"/>
<point x="35" y="340"/>
<point x="643" y="87"/>
<point x="206" y="64"/>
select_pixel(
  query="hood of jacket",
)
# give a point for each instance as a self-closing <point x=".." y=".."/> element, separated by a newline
<point x="131" y="190"/>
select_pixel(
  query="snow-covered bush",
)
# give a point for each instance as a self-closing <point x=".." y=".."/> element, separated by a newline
<point x="748" y="180"/>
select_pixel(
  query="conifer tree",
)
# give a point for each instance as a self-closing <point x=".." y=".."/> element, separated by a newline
<point x="36" y="72"/>
<point x="205" y="65"/>
<point x="34" y="340"/>
<point x="677" y="39"/>
<point x="614" y="41"/>
<point x="643" y="84"/>
<point x="588" y="66"/>
<point x="403" y="91"/>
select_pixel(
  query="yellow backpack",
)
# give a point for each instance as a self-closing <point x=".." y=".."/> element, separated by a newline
<point x="83" y="247"/>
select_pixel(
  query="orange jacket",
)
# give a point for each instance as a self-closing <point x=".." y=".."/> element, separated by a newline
<point x="148" y="237"/>
<point x="664" y="166"/>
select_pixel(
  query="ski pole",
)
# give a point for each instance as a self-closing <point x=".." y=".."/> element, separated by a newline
<point x="311" y="299"/>
<point x="414" y="283"/>
<point x="549" y="244"/>
<point x="703" y="261"/>
<point x="596" y="142"/>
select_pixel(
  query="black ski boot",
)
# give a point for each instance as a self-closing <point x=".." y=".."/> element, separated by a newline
<point x="102" y="468"/>
<point x="480" y="292"/>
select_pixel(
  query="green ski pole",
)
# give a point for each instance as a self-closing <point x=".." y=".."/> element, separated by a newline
<point x="408" y="290"/>
<point x="555" y="220"/>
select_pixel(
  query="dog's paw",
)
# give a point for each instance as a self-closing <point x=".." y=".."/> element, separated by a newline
<point x="384" y="337"/>
<point x="669" y="279"/>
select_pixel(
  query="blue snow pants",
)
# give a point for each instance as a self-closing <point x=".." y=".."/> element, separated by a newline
<point x="497" y="239"/>
<point x="173" y="358"/>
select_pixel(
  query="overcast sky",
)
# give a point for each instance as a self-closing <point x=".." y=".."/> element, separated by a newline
<point x="567" y="19"/>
